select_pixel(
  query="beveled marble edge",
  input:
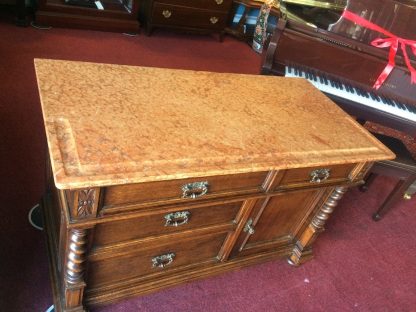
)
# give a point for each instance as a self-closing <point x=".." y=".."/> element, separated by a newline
<point x="64" y="181"/>
<point x="173" y="169"/>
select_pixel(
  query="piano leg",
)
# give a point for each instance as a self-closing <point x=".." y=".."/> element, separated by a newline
<point x="395" y="195"/>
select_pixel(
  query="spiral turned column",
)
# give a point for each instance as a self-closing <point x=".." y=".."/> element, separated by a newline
<point x="76" y="256"/>
<point x="74" y="274"/>
<point x="322" y="216"/>
<point x="303" y="250"/>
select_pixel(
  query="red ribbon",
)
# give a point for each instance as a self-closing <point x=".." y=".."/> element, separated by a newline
<point x="391" y="41"/>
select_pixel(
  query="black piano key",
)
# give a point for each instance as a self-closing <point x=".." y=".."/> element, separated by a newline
<point x="383" y="100"/>
<point x="411" y="108"/>
<point x="401" y="106"/>
<point x="321" y="80"/>
<point x="289" y="69"/>
<point x="325" y="80"/>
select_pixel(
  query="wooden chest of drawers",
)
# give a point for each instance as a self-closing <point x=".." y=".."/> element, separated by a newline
<point x="190" y="177"/>
<point x="199" y="15"/>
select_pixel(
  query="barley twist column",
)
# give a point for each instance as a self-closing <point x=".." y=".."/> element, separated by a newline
<point x="303" y="249"/>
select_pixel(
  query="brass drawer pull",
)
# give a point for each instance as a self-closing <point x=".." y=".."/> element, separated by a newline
<point x="166" y="13"/>
<point x="163" y="260"/>
<point x="219" y="1"/>
<point x="249" y="227"/>
<point x="177" y="218"/>
<point x="195" y="189"/>
<point x="319" y="175"/>
<point x="213" y="20"/>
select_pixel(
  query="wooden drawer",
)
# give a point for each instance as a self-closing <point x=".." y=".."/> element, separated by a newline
<point x="172" y="190"/>
<point x="315" y="175"/>
<point x="166" y="222"/>
<point x="165" y="14"/>
<point x="171" y="254"/>
<point x="217" y="5"/>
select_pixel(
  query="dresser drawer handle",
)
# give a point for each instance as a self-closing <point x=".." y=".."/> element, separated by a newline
<point x="213" y="20"/>
<point x="163" y="260"/>
<point x="219" y="1"/>
<point x="319" y="175"/>
<point x="195" y="189"/>
<point x="177" y="218"/>
<point x="166" y="13"/>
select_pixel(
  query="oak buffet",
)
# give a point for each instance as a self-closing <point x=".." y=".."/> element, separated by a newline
<point x="159" y="176"/>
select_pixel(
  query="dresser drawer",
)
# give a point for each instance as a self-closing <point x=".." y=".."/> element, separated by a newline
<point x="217" y="5"/>
<point x="316" y="175"/>
<point x="158" y="260"/>
<point x="165" y="14"/>
<point x="166" y="222"/>
<point x="184" y="189"/>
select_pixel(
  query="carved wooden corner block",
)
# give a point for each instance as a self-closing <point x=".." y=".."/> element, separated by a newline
<point x="303" y="249"/>
<point x="83" y="204"/>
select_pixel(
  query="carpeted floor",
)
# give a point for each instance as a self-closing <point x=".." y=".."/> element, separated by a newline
<point x="359" y="265"/>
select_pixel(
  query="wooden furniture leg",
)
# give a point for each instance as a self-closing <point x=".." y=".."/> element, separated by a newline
<point x="368" y="181"/>
<point x="395" y="195"/>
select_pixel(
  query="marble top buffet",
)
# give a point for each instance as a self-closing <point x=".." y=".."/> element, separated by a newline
<point x="160" y="176"/>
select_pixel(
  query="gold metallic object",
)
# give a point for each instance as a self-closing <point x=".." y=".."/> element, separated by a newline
<point x="319" y="175"/>
<point x="213" y="20"/>
<point x="219" y="1"/>
<point x="407" y="196"/>
<point x="195" y="189"/>
<point x="249" y="227"/>
<point x="163" y="260"/>
<point x="166" y="13"/>
<point x="177" y="218"/>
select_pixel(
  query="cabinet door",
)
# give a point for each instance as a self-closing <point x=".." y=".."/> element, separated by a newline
<point x="275" y="221"/>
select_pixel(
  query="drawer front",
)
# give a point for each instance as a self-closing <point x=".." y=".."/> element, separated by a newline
<point x="157" y="260"/>
<point x="218" y="5"/>
<point x="315" y="175"/>
<point x="165" y="14"/>
<point x="183" y="189"/>
<point x="166" y="222"/>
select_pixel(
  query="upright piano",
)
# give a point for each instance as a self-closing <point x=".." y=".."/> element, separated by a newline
<point x="340" y="61"/>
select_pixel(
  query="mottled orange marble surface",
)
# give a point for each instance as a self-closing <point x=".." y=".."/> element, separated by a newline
<point x="113" y="124"/>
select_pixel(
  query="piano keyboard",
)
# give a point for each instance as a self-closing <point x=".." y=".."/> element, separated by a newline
<point x="357" y="95"/>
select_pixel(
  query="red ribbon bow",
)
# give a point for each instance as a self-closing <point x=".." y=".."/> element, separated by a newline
<point x="391" y="41"/>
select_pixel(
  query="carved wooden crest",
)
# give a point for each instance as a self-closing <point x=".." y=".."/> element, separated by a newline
<point x="86" y="200"/>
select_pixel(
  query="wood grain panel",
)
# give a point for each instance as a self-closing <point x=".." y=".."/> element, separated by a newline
<point x="172" y="189"/>
<point x="154" y="224"/>
<point x="187" y="252"/>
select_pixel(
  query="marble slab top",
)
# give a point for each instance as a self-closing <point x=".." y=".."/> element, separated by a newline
<point x="114" y="124"/>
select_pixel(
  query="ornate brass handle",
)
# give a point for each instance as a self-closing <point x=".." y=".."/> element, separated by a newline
<point x="213" y="20"/>
<point x="177" y="218"/>
<point x="319" y="175"/>
<point x="249" y="227"/>
<point x="195" y="189"/>
<point x="166" y="13"/>
<point x="163" y="260"/>
<point x="219" y="1"/>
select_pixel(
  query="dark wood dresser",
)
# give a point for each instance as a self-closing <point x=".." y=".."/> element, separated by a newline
<point x="207" y="16"/>
<point x="110" y="15"/>
<point x="159" y="177"/>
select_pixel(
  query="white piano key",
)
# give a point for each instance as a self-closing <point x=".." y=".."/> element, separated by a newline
<point x="353" y="96"/>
